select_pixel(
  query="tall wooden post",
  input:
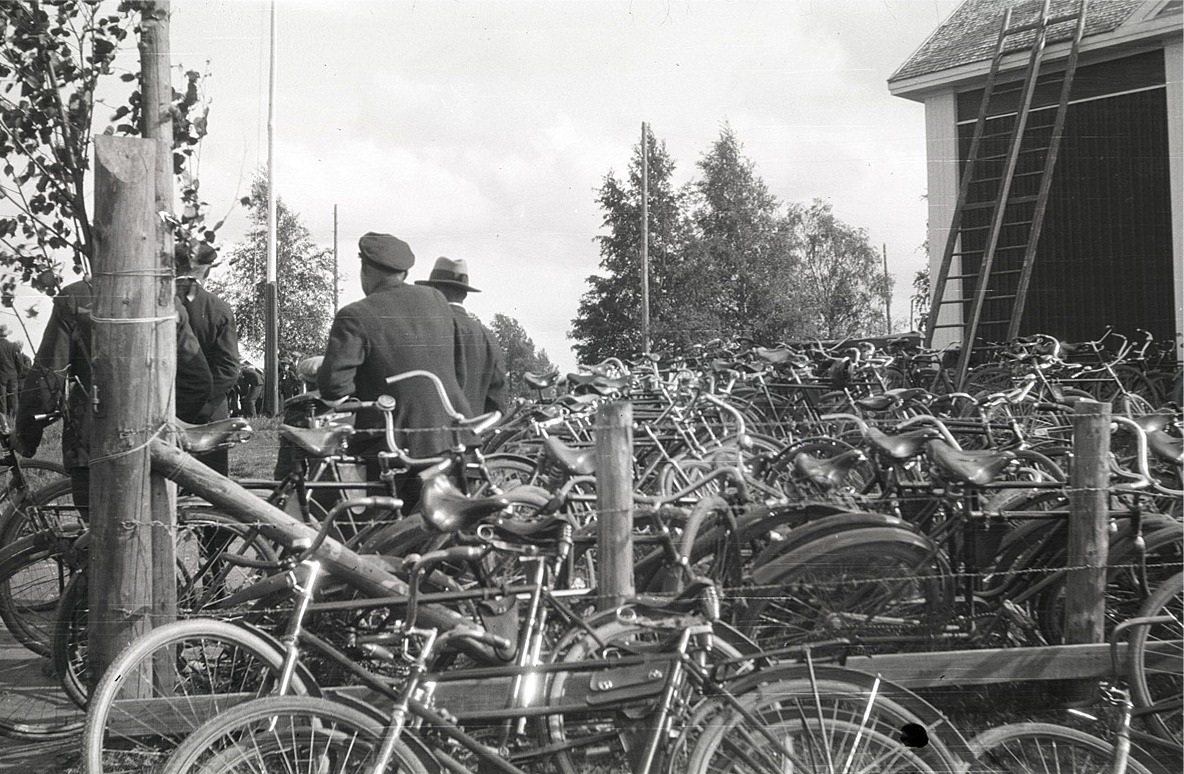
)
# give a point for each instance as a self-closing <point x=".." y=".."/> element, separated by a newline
<point x="614" y="497"/>
<point x="157" y="125"/>
<point x="129" y="309"/>
<point x="645" y="239"/>
<point x="1089" y="546"/>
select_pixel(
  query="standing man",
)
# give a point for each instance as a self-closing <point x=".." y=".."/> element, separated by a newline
<point x="9" y="372"/>
<point x="481" y="366"/>
<point x="60" y="378"/>
<point x="396" y="328"/>
<point x="212" y="321"/>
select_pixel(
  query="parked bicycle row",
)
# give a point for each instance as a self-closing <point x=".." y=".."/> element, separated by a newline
<point x="738" y="515"/>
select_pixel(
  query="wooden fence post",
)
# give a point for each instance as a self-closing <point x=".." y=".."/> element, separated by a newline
<point x="614" y="497"/>
<point x="129" y="309"/>
<point x="1089" y="509"/>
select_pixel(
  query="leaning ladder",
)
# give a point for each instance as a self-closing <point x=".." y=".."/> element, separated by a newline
<point x="993" y="191"/>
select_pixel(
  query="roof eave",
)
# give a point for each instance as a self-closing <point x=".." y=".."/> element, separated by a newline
<point x="919" y="87"/>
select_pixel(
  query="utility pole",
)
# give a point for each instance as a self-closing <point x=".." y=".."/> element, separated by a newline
<point x="271" y="382"/>
<point x="336" y="275"/>
<point x="132" y="519"/>
<point x="645" y="239"/>
<point x="887" y="294"/>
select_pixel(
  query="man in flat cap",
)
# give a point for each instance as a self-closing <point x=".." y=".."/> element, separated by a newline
<point x="482" y="369"/>
<point x="397" y="327"/>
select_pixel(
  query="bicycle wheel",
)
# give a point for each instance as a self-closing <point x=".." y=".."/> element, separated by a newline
<point x="789" y="736"/>
<point x="36" y="505"/>
<point x="294" y="735"/>
<point x="1158" y="684"/>
<point x="1043" y="748"/>
<point x="882" y="587"/>
<point x="34" y="572"/>
<point x="203" y="578"/>
<point x="167" y="683"/>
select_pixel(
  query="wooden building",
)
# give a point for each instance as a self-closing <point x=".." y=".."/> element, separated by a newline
<point x="1110" y="250"/>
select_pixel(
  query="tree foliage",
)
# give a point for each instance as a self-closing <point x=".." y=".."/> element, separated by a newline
<point x="743" y="247"/>
<point x="841" y="288"/>
<point x="54" y="59"/>
<point x="521" y="357"/>
<point x="304" y="280"/>
<point x="919" y="301"/>
<point x="608" y="322"/>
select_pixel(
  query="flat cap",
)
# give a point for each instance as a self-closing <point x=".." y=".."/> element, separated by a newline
<point x="386" y="252"/>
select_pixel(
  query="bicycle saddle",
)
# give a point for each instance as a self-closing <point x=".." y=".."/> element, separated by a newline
<point x="902" y="446"/>
<point x="197" y="439"/>
<point x="447" y="509"/>
<point x="828" y="473"/>
<point x="541" y="381"/>
<point x="1166" y="447"/>
<point x="544" y="413"/>
<point x="575" y="462"/>
<point x="1154" y="422"/>
<point x="969" y="467"/>
<point x="318" y="441"/>
<point x="890" y="398"/>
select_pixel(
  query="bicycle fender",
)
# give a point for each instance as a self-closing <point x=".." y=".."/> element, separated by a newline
<point x="820" y="546"/>
<point x="823" y="524"/>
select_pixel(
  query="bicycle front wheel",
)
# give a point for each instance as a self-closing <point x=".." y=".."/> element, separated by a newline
<point x="1157" y="685"/>
<point x="1043" y="748"/>
<point x="290" y="734"/>
<point x="167" y="683"/>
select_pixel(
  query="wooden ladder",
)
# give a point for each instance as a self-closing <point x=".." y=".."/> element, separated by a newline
<point x="1004" y="191"/>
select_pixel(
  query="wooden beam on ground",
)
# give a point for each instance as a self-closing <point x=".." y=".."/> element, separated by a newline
<point x="127" y="312"/>
<point x="1085" y="662"/>
<point x="368" y="573"/>
<point x="614" y="488"/>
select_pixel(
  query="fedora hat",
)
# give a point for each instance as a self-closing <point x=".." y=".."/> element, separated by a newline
<point x="450" y="273"/>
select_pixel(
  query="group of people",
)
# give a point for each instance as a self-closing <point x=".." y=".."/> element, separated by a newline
<point x="14" y="364"/>
<point x="397" y="327"/>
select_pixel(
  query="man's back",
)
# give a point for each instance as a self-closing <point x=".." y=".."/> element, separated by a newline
<point x="212" y="321"/>
<point x="397" y="328"/>
<point x="482" y="369"/>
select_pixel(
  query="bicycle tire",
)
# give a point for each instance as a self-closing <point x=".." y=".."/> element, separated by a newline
<point x="34" y="572"/>
<point x="39" y="476"/>
<point x="739" y="743"/>
<point x="1043" y="748"/>
<point x="197" y="589"/>
<point x="214" y="659"/>
<point x="293" y="734"/>
<point x="834" y="586"/>
<point x="1151" y="688"/>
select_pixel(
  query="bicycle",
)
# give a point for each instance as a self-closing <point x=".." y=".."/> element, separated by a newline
<point x="647" y="659"/>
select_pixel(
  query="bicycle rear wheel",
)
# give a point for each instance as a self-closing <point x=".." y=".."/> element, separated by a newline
<point x="290" y="734"/>
<point x="1043" y="748"/>
<point x="45" y="500"/>
<point x="167" y="683"/>
<point x="1157" y="685"/>
<point x="34" y="571"/>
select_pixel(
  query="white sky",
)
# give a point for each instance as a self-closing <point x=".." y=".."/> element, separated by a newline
<point x="481" y="129"/>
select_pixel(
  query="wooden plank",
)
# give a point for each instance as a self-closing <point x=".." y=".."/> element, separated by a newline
<point x="1007" y="665"/>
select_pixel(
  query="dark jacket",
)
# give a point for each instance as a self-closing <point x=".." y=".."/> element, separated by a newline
<point x="482" y="369"/>
<point x="61" y="376"/>
<point x="10" y="364"/>
<point x="212" y="321"/>
<point x="397" y="328"/>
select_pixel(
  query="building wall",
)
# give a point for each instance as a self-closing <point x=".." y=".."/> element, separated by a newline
<point x="1072" y="289"/>
<point x="941" y="152"/>
<point x="1174" y="75"/>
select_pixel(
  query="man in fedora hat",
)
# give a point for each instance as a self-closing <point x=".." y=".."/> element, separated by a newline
<point x="212" y="321"/>
<point x="482" y="369"/>
<point x="396" y="328"/>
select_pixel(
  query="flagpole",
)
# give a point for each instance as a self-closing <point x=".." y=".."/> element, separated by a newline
<point x="271" y="401"/>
